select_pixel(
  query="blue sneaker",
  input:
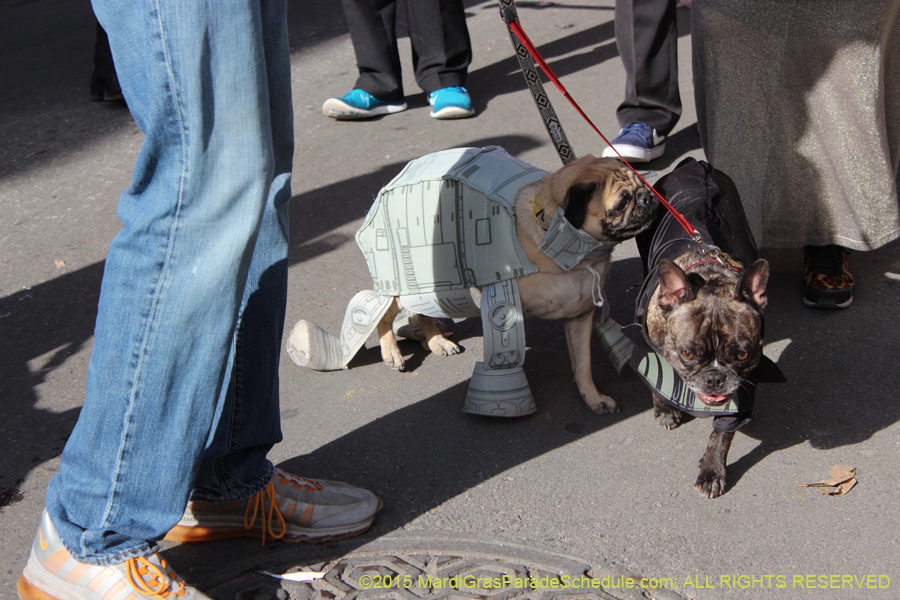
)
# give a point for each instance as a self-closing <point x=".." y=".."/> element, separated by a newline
<point x="357" y="104"/>
<point x="637" y="143"/>
<point x="451" y="103"/>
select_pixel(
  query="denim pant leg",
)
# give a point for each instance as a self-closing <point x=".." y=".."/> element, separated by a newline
<point x="248" y="422"/>
<point x="204" y="225"/>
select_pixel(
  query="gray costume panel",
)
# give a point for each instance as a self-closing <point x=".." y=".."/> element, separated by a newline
<point x="447" y="222"/>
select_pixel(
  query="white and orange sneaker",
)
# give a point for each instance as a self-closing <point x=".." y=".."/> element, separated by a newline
<point x="52" y="574"/>
<point x="288" y="508"/>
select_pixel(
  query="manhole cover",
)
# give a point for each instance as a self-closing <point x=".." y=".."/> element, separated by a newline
<point x="408" y="569"/>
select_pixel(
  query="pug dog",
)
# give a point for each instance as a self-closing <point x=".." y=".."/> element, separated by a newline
<point x="598" y="196"/>
<point x="705" y="307"/>
<point x="458" y="222"/>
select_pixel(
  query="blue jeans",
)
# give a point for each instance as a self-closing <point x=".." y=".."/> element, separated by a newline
<point x="182" y="387"/>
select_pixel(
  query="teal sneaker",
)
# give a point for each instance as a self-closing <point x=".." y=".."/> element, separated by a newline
<point x="358" y="104"/>
<point x="451" y="103"/>
<point x="53" y="574"/>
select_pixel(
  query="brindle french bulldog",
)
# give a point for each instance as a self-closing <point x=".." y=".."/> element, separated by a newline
<point x="705" y="314"/>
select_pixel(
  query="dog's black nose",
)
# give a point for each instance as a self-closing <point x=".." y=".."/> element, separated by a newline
<point x="714" y="378"/>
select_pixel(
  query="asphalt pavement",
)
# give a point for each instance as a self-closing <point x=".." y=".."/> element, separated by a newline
<point x="566" y="495"/>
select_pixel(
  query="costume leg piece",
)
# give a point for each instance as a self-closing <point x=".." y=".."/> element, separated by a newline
<point x="311" y="346"/>
<point x="613" y="342"/>
<point x="498" y="386"/>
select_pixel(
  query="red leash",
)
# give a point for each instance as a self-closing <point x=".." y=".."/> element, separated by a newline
<point x="514" y="25"/>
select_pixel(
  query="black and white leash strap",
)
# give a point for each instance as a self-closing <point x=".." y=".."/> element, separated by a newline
<point x="551" y="121"/>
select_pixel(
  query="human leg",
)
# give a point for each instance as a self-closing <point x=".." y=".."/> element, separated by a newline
<point x="441" y="54"/>
<point x="196" y="82"/>
<point x="104" y="82"/>
<point x="441" y="48"/>
<point x="379" y="87"/>
<point x="237" y="492"/>
<point x="647" y="40"/>
<point x="373" y="32"/>
<point x="248" y="421"/>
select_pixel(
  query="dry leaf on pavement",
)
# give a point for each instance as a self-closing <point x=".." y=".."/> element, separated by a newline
<point x="842" y="480"/>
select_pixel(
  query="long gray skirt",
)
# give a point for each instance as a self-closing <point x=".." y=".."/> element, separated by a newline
<point x="799" y="102"/>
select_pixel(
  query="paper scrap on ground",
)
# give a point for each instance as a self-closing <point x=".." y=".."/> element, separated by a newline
<point x="842" y="480"/>
<point x="298" y="576"/>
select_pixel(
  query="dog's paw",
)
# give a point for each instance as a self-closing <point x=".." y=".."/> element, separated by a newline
<point x="601" y="404"/>
<point x="392" y="358"/>
<point x="667" y="418"/>
<point x="439" y="344"/>
<point x="710" y="484"/>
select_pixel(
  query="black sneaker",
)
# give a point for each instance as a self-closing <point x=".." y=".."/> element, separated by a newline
<point x="827" y="282"/>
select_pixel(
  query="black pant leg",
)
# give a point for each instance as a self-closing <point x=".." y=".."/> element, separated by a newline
<point x="104" y="81"/>
<point x="372" y="30"/>
<point x="442" y="50"/>
<point x="647" y="39"/>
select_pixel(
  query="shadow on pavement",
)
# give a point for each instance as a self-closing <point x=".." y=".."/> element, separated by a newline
<point x="40" y="329"/>
<point x="841" y="365"/>
<point x="426" y="454"/>
<point x="46" y="59"/>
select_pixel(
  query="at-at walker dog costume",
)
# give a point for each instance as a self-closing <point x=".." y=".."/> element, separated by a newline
<point x="445" y="225"/>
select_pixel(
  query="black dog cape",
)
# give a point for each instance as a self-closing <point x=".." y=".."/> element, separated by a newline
<point x="709" y="200"/>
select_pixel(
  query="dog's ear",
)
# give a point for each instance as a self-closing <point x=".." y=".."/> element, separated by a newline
<point x="673" y="285"/>
<point x="752" y="286"/>
<point x="576" y="201"/>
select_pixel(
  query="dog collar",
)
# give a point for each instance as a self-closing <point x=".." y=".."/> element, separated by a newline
<point x="567" y="246"/>
<point x="718" y="257"/>
<point x="539" y="212"/>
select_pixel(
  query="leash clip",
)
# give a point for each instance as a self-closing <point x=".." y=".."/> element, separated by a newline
<point x="723" y="258"/>
<point x="716" y="254"/>
<point x="508" y="14"/>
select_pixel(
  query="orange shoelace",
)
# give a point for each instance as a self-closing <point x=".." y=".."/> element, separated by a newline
<point x="257" y="503"/>
<point x="159" y="585"/>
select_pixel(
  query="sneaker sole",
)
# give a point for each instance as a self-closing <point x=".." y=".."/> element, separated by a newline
<point x="184" y="534"/>
<point x="336" y="109"/>
<point x="826" y="304"/>
<point x="47" y="586"/>
<point x="28" y="591"/>
<point x="635" y="153"/>
<point x="452" y="112"/>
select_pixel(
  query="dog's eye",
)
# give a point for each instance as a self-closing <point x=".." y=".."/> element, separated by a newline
<point x="742" y="355"/>
<point x="687" y="355"/>
<point x="622" y="205"/>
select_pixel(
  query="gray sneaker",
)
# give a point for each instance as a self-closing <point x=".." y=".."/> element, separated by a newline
<point x="52" y="573"/>
<point x="289" y="508"/>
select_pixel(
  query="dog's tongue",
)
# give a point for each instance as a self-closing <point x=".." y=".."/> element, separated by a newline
<point x="711" y="400"/>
